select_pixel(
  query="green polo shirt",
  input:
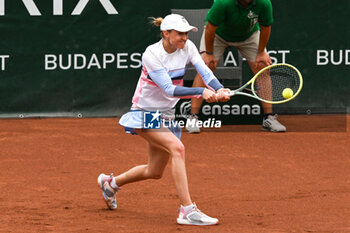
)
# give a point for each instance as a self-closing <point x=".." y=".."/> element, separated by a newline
<point x="236" y="23"/>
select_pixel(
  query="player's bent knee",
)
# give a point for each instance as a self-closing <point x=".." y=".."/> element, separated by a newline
<point x="177" y="150"/>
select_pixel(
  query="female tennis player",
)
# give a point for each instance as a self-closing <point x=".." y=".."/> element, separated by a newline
<point x="158" y="90"/>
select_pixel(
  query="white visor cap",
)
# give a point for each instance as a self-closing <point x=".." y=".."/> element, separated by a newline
<point x="176" y="22"/>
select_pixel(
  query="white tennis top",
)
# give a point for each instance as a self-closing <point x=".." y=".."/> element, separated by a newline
<point x="160" y="84"/>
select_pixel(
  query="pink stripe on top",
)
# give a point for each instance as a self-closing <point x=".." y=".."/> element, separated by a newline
<point x="141" y="83"/>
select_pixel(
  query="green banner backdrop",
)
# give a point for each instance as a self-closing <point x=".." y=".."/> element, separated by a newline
<point x="83" y="57"/>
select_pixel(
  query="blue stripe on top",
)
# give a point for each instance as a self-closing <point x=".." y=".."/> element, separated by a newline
<point x="188" y="91"/>
<point x="174" y="74"/>
<point x="163" y="80"/>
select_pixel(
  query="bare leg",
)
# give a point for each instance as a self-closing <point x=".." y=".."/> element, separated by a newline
<point x="157" y="161"/>
<point x="196" y="103"/>
<point x="160" y="144"/>
<point x="267" y="107"/>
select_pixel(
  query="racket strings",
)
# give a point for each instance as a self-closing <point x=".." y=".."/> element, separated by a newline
<point x="269" y="85"/>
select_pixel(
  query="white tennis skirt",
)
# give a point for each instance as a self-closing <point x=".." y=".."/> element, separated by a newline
<point x="134" y="120"/>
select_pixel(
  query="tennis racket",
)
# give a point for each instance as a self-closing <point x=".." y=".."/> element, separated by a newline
<point x="270" y="82"/>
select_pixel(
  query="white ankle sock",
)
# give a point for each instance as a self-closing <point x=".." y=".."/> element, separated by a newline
<point x="187" y="208"/>
<point x="114" y="184"/>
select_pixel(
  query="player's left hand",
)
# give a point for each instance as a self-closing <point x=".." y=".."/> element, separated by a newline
<point x="222" y="95"/>
<point x="262" y="59"/>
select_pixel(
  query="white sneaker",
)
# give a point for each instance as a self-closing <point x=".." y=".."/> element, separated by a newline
<point x="192" y="127"/>
<point x="271" y="124"/>
<point x="195" y="217"/>
<point x="108" y="192"/>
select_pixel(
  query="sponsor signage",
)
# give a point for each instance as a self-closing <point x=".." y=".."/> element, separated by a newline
<point x="238" y="110"/>
<point x="64" y="57"/>
<point x="57" y="7"/>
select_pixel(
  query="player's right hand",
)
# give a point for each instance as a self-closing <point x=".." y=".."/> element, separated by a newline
<point x="222" y="95"/>
<point x="209" y="96"/>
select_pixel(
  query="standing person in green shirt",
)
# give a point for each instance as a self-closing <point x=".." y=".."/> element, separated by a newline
<point x="245" y="25"/>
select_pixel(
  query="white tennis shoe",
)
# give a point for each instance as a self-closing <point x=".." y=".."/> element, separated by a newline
<point x="195" y="217"/>
<point x="271" y="124"/>
<point x="108" y="192"/>
<point x="192" y="127"/>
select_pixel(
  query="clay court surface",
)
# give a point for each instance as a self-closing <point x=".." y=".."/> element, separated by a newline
<point x="253" y="181"/>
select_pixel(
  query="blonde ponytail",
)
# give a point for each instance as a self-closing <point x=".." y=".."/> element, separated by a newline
<point x="156" y="21"/>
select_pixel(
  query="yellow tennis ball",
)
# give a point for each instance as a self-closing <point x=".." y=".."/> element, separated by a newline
<point x="287" y="93"/>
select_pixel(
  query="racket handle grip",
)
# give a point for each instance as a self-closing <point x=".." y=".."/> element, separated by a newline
<point x="231" y="93"/>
